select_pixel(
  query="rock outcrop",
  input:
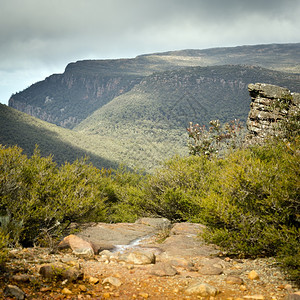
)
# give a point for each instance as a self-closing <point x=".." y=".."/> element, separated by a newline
<point x="270" y="107"/>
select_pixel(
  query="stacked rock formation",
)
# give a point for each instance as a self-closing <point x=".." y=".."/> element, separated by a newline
<point x="270" y="107"/>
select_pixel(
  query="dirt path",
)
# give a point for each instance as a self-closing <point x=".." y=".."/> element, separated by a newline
<point x="161" y="263"/>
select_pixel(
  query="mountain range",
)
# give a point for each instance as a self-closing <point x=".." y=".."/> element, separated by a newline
<point x="135" y="111"/>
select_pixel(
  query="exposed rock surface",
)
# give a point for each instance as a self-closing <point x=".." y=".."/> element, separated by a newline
<point x="167" y="275"/>
<point x="271" y="105"/>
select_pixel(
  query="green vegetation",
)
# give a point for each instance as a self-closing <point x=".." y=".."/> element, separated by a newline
<point x="86" y="86"/>
<point x="249" y="198"/>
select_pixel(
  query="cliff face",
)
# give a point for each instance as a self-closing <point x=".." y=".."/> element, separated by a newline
<point x="271" y="105"/>
<point x="67" y="99"/>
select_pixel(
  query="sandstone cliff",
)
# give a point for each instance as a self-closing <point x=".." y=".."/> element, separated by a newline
<point x="271" y="106"/>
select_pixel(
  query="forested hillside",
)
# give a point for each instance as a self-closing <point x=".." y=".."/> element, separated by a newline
<point x="85" y="86"/>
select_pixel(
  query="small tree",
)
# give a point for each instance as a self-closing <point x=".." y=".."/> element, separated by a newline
<point x="215" y="139"/>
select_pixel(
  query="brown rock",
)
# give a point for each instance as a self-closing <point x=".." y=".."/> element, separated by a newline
<point x="187" y="228"/>
<point x="210" y="270"/>
<point x="234" y="280"/>
<point x="21" y="278"/>
<point x="254" y="297"/>
<point x="79" y="246"/>
<point x="294" y="296"/>
<point x="93" y="280"/>
<point x="113" y="281"/>
<point x="138" y="257"/>
<point x="163" y="269"/>
<point x="253" y="275"/>
<point x="66" y="291"/>
<point x="202" y="289"/>
<point x="59" y="271"/>
<point x="14" y="291"/>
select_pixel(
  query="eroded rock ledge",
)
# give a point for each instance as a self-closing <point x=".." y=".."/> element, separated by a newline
<point x="271" y="106"/>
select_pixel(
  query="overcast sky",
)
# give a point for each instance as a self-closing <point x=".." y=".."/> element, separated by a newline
<point x="40" y="37"/>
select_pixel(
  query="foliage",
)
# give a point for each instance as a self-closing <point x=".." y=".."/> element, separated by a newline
<point x="249" y="199"/>
<point x="41" y="199"/>
<point x="212" y="142"/>
<point x="3" y="247"/>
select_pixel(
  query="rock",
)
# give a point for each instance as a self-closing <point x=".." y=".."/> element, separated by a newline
<point x="82" y="288"/>
<point x="14" y="291"/>
<point x="253" y="275"/>
<point x="138" y="257"/>
<point x="159" y="223"/>
<point x="66" y="291"/>
<point x="93" y="280"/>
<point x="79" y="246"/>
<point x="294" y="296"/>
<point x="187" y="228"/>
<point x="234" y="280"/>
<point x="210" y="270"/>
<point x="181" y="263"/>
<point x="202" y="290"/>
<point x="113" y="281"/>
<point x="179" y="245"/>
<point x="270" y="105"/>
<point x="144" y="295"/>
<point x="163" y="269"/>
<point x="254" y="297"/>
<point x="21" y="278"/>
<point x="59" y="271"/>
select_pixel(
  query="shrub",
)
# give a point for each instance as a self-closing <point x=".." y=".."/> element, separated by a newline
<point x="41" y="200"/>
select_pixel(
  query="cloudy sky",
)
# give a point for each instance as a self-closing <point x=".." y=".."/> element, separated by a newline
<point x="40" y="37"/>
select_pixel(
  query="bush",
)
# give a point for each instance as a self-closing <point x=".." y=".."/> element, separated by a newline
<point x="41" y="200"/>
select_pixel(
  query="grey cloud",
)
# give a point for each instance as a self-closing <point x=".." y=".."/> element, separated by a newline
<point x="41" y="34"/>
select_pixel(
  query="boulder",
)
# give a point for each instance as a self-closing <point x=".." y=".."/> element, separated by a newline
<point x="60" y="271"/>
<point x="14" y="291"/>
<point x="202" y="290"/>
<point x="79" y="246"/>
<point x="163" y="269"/>
<point x="138" y="257"/>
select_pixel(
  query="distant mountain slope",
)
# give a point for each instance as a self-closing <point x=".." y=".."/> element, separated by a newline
<point x="151" y="119"/>
<point x="85" y="86"/>
<point x="280" y="57"/>
<point x="17" y="128"/>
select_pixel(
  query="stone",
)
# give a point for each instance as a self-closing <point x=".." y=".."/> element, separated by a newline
<point x="234" y="280"/>
<point x="270" y="105"/>
<point x="210" y="270"/>
<point x="181" y="263"/>
<point x="93" y="280"/>
<point x="14" y="291"/>
<point x="66" y="291"/>
<point x="144" y="295"/>
<point x="294" y="296"/>
<point x="254" y="297"/>
<point x="59" y="271"/>
<point x="138" y="257"/>
<point x="113" y="281"/>
<point x="159" y="223"/>
<point x="163" y="269"/>
<point x="21" y="278"/>
<point x="187" y="228"/>
<point x="79" y="246"/>
<point x="253" y="275"/>
<point x="202" y="290"/>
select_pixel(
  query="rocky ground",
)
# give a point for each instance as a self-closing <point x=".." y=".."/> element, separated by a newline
<point x="149" y="259"/>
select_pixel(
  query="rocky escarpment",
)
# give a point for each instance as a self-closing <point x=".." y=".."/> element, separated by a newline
<point x="271" y="106"/>
<point x="67" y="99"/>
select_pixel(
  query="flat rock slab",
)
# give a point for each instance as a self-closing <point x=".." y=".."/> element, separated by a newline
<point x="187" y="246"/>
<point x="117" y="234"/>
<point x="183" y="240"/>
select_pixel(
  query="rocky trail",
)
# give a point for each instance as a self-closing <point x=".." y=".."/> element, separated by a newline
<point x="149" y="259"/>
